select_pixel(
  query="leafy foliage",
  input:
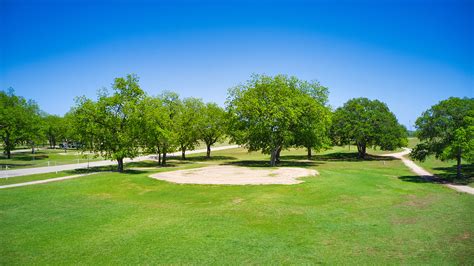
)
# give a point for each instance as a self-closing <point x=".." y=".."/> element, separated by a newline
<point x="112" y="125"/>
<point x="267" y="113"/>
<point x="447" y="131"/>
<point x="212" y="125"/>
<point x="367" y="123"/>
<point x="19" y="120"/>
<point x="186" y="124"/>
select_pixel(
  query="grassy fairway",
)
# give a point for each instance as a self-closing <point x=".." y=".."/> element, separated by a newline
<point x="372" y="212"/>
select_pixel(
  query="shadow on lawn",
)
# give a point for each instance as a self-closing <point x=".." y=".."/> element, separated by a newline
<point x="28" y="157"/>
<point x="338" y="156"/>
<point x="283" y="163"/>
<point x="417" y="179"/>
<point x="445" y="175"/>
<point x="204" y="158"/>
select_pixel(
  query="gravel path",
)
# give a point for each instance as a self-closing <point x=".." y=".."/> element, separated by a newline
<point x="51" y="169"/>
<point x="425" y="174"/>
<point x="44" y="181"/>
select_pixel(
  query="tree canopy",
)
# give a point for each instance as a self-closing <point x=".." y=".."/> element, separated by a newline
<point x="19" y="120"/>
<point x="112" y="125"/>
<point x="266" y="112"/>
<point x="447" y="131"/>
<point x="367" y="123"/>
<point x="212" y="125"/>
<point x="186" y="124"/>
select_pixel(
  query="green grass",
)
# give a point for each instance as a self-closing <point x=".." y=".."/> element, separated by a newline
<point x="412" y="142"/>
<point x="445" y="169"/>
<point x="42" y="157"/>
<point x="354" y="212"/>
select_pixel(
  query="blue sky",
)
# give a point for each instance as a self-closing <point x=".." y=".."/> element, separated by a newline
<point x="409" y="54"/>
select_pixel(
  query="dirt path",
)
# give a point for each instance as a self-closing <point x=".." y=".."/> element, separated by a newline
<point x="44" y="181"/>
<point x="425" y="174"/>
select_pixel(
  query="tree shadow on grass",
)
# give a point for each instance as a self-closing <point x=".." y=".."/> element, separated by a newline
<point x="134" y="171"/>
<point x="213" y="158"/>
<point x="449" y="174"/>
<point x="15" y="165"/>
<point x="262" y="163"/>
<point x="448" y="177"/>
<point x="339" y="156"/>
<point x="418" y="179"/>
<point x="29" y="157"/>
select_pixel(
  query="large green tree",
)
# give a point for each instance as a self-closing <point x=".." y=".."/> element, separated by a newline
<point x="158" y="132"/>
<point x="18" y="120"/>
<point x="212" y="125"/>
<point x="367" y="123"/>
<point x="54" y="129"/>
<point x="266" y="113"/>
<point x="447" y="131"/>
<point x="112" y="125"/>
<point x="312" y="129"/>
<point x="187" y="124"/>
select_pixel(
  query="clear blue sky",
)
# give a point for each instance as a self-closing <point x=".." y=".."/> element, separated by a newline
<point x="409" y="54"/>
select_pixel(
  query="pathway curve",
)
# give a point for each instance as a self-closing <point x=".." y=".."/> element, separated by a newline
<point x="425" y="174"/>
<point x="44" y="181"/>
<point x="58" y="168"/>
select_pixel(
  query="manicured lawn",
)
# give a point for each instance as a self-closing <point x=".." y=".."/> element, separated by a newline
<point x="445" y="169"/>
<point x="354" y="212"/>
<point x="42" y="157"/>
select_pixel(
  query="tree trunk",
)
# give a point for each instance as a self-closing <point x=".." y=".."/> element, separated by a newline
<point x="163" y="160"/>
<point x="458" y="166"/>
<point x="274" y="155"/>
<point x="159" y="155"/>
<point x="278" y="155"/>
<point x="7" y="146"/>
<point x="120" y="165"/>
<point x="33" y="148"/>
<point x="183" y="153"/>
<point x="208" y="155"/>
<point x="361" y="148"/>
<point x="309" y="153"/>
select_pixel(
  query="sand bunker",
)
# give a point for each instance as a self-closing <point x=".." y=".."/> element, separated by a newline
<point x="234" y="175"/>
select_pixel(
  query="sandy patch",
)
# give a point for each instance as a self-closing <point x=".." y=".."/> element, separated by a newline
<point x="234" y="175"/>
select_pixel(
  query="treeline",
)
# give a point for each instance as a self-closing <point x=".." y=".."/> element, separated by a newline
<point x="265" y="113"/>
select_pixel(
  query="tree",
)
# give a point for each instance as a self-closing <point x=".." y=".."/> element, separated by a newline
<point x="112" y="125"/>
<point x="54" y="129"/>
<point x="367" y="123"/>
<point x="172" y="105"/>
<point x="158" y="131"/>
<point x="186" y="124"/>
<point x="18" y="118"/>
<point x="312" y="129"/>
<point x="447" y="131"/>
<point x="265" y="112"/>
<point x="36" y="133"/>
<point x="213" y="125"/>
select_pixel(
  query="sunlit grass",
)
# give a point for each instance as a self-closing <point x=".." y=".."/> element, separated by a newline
<point x="354" y="212"/>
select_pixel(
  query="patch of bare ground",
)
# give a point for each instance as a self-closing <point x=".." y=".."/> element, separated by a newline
<point x="235" y="175"/>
